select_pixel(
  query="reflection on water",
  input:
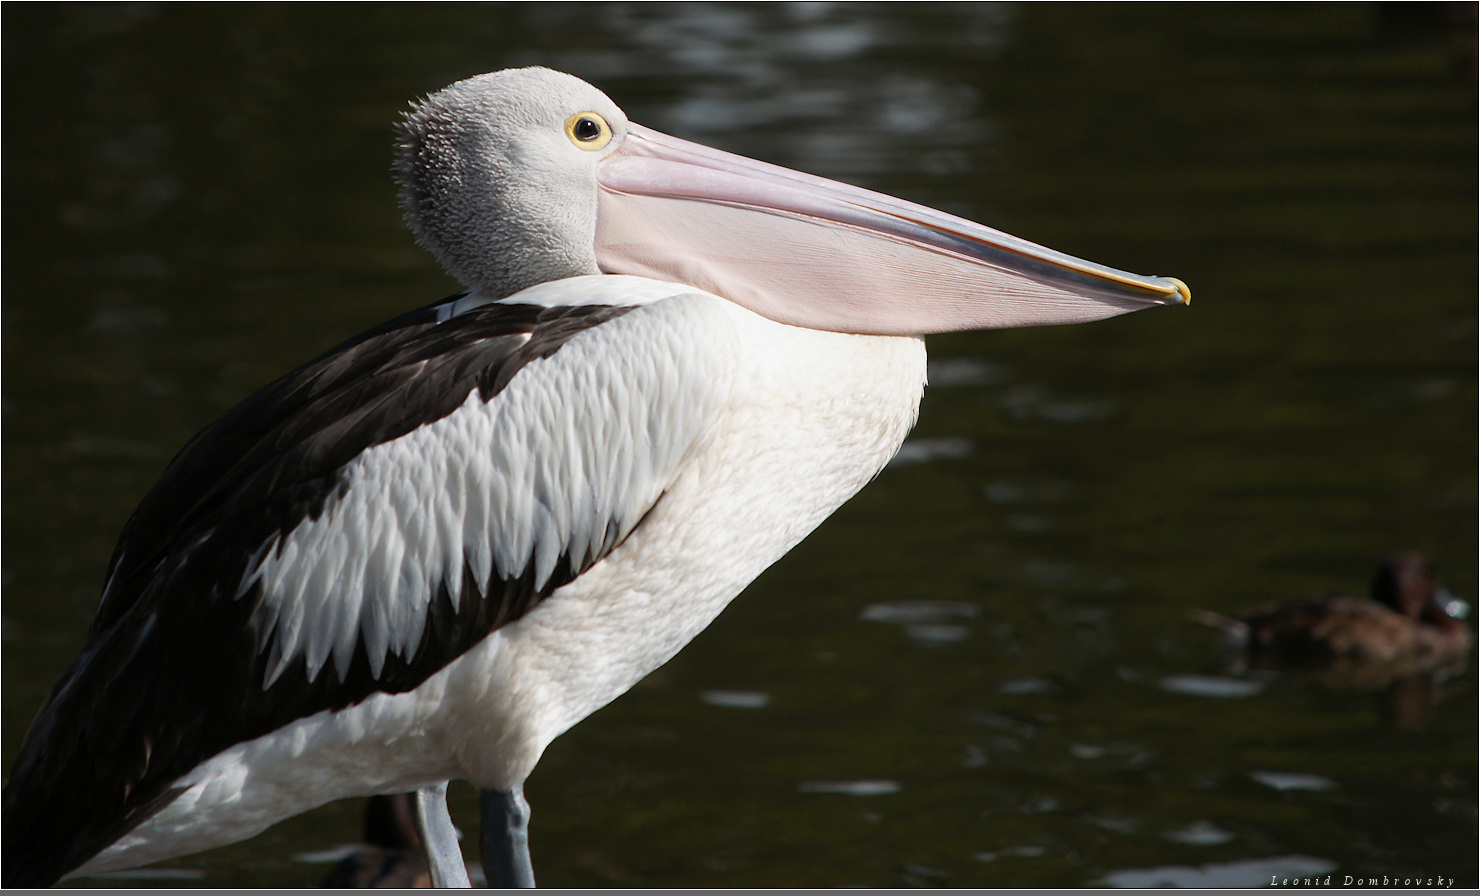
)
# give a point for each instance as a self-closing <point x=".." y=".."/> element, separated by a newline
<point x="1241" y="874"/>
<point x="926" y="621"/>
<point x="799" y="85"/>
<point x="1200" y="833"/>
<point x="1211" y="686"/>
<point x="944" y="373"/>
<point x="989" y="647"/>
<point x="850" y="788"/>
<point x="736" y="699"/>
<point x="923" y="451"/>
<point x="1293" y="781"/>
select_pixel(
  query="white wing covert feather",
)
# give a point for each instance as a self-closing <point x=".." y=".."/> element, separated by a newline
<point x="563" y="462"/>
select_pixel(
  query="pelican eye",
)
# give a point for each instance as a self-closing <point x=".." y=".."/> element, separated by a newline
<point x="588" y="131"/>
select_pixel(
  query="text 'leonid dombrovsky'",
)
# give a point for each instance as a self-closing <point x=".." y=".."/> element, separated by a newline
<point x="1354" y="881"/>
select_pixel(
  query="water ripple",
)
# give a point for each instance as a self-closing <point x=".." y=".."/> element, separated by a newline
<point x="851" y="788"/>
<point x="1293" y="780"/>
<point x="1243" y="873"/>
<point x="736" y="699"/>
<point x="1211" y="686"/>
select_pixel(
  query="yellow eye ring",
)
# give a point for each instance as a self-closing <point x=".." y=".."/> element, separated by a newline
<point x="588" y="131"/>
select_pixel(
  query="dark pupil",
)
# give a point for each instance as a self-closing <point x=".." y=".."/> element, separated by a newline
<point x="587" y="130"/>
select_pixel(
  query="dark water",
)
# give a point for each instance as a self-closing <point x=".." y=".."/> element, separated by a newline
<point x="980" y="671"/>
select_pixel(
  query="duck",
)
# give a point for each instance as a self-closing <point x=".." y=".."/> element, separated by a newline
<point x="1410" y="620"/>
<point x="391" y="856"/>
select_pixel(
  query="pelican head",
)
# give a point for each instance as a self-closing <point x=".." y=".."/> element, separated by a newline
<point x="522" y="176"/>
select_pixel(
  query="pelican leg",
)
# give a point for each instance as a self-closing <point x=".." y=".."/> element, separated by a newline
<point x="504" y="819"/>
<point x="439" y="838"/>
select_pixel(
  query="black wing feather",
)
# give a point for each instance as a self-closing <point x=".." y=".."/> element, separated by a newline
<point x="171" y="673"/>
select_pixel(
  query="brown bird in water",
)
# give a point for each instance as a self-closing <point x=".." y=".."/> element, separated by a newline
<point x="1411" y="621"/>
<point x="391" y="856"/>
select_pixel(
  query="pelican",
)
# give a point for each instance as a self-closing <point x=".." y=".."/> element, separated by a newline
<point x="429" y="551"/>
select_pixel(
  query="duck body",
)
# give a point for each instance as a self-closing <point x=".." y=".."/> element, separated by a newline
<point x="391" y="855"/>
<point x="1356" y="628"/>
<point x="1407" y="622"/>
<point x="380" y="868"/>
